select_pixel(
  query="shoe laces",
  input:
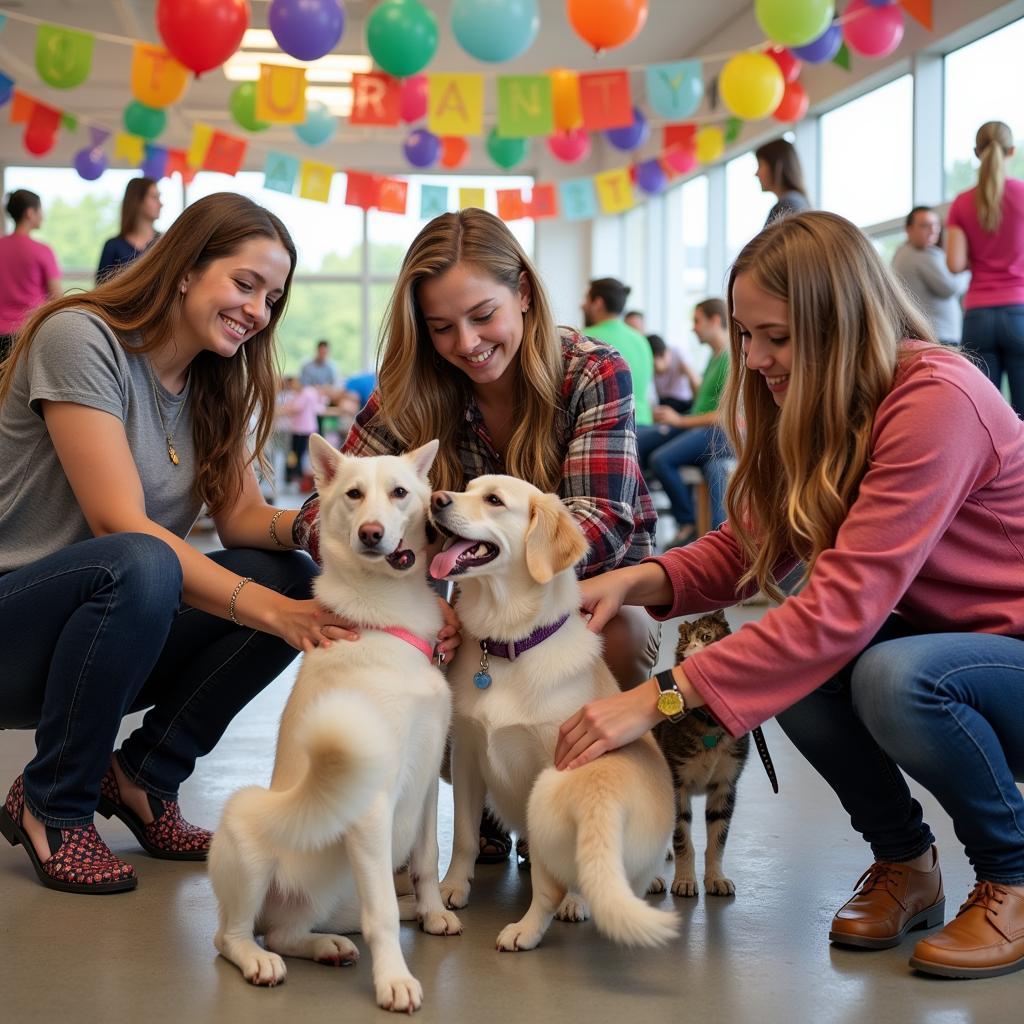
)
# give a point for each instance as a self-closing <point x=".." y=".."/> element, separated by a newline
<point x="878" y="876"/>
<point x="984" y="895"/>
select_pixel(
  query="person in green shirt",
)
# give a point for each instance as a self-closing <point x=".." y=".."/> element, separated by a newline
<point x="694" y="438"/>
<point x="602" y="313"/>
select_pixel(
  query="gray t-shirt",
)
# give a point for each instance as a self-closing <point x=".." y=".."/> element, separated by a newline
<point x="318" y="375"/>
<point x="936" y="290"/>
<point x="75" y="357"/>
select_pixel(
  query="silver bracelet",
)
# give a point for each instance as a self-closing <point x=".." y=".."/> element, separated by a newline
<point x="234" y="597"/>
<point x="273" y="528"/>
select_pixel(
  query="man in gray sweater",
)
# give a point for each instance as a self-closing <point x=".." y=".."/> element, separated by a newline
<point x="921" y="264"/>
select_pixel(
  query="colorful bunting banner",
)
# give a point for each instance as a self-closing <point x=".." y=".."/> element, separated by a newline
<point x="675" y="90"/>
<point x="433" y="201"/>
<point x="202" y="134"/>
<point x="315" y="180"/>
<point x="158" y="80"/>
<point x="63" y="56"/>
<point x="393" y="195"/>
<point x="226" y="153"/>
<point x="510" y="204"/>
<point x="455" y="104"/>
<point x="614" y="190"/>
<point x="376" y="99"/>
<point x="543" y="202"/>
<point x="525" y="106"/>
<point x="281" y="94"/>
<point x="605" y="100"/>
<point x="578" y="199"/>
<point x="472" y="197"/>
<point x="280" y="172"/>
<point x="128" y="147"/>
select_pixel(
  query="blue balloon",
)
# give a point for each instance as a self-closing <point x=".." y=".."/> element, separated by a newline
<point x="633" y="135"/>
<point x="422" y="148"/>
<point x="306" y="29"/>
<point x="651" y="177"/>
<point x="495" y="30"/>
<point x="822" y="49"/>
<point x="90" y="163"/>
<point x="319" y="126"/>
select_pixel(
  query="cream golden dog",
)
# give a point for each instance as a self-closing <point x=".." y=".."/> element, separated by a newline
<point x="354" y="790"/>
<point x="601" y="829"/>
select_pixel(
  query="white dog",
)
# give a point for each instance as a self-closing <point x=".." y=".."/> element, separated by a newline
<point x="354" y="788"/>
<point x="601" y="829"/>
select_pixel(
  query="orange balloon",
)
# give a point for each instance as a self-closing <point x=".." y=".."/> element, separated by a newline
<point x="454" y="151"/>
<point x="795" y="102"/>
<point x="565" y="99"/>
<point x="607" y="23"/>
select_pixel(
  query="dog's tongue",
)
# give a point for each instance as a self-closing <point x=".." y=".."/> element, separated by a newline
<point x="444" y="561"/>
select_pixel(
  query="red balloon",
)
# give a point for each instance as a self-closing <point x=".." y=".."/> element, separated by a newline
<point x="570" y="146"/>
<point x="454" y="151"/>
<point x="795" y="102"/>
<point x="788" y="64"/>
<point x="413" y="98"/>
<point x="202" y="34"/>
<point x="39" y="140"/>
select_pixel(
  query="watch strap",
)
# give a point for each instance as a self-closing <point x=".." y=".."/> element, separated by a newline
<point x="666" y="681"/>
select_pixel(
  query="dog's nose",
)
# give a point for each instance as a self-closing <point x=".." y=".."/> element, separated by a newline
<point x="371" y="534"/>
<point x="440" y="500"/>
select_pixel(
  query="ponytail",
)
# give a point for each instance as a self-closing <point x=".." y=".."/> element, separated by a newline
<point x="993" y="142"/>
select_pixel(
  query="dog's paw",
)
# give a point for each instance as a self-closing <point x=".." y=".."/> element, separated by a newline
<point x="718" y="886"/>
<point x="400" y="994"/>
<point x="441" y="922"/>
<point x="514" y="938"/>
<point x="455" y="895"/>
<point x="264" y="968"/>
<point x="334" y="950"/>
<point x="684" y="887"/>
<point x="657" y="886"/>
<point x="572" y="908"/>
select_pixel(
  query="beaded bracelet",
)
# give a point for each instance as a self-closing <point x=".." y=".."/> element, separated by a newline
<point x="273" y="528"/>
<point x="234" y="597"/>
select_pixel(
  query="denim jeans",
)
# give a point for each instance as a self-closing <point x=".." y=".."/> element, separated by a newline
<point x="97" y="630"/>
<point x="948" y="710"/>
<point x="996" y="334"/>
<point x="704" y="447"/>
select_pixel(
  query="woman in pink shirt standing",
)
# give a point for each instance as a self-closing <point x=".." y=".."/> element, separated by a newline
<point x="985" y="234"/>
<point x="28" y="269"/>
<point x="892" y="468"/>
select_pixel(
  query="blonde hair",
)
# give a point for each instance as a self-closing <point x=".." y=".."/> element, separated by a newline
<point x="144" y="297"/>
<point x="992" y="144"/>
<point x="422" y="396"/>
<point x="799" y="467"/>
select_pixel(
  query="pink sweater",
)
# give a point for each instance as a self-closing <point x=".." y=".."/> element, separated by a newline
<point x="936" y="535"/>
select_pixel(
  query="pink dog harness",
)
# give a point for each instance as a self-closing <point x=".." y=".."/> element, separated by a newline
<point x="418" y="642"/>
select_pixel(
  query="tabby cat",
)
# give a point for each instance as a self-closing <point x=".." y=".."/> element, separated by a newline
<point x="704" y="759"/>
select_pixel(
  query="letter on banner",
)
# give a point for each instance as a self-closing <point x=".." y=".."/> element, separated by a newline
<point x="225" y="154"/>
<point x="376" y="99"/>
<point x="525" y="106"/>
<point x="510" y="204"/>
<point x="280" y="172"/>
<point x="393" y="195"/>
<point x="456" y="104"/>
<point x="202" y="134"/>
<point x="614" y="190"/>
<point x="128" y="147"/>
<point x="579" y="199"/>
<point x="157" y="78"/>
<point x="675" y="90"/>
<point x="605" y="100"/>
<point x="543" y="202"/>
<point x="281" y="94"/>
<point x="433" y="201"/>
<point x="472" y="197"/>
<point x="315" y="182"/>
<point x="63" y="56"/>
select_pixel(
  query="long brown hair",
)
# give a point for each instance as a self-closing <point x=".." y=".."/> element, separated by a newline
<point x="144" y="297"/>
<point x="992" y="144"/>
<point x="782" y="160"/>
<point x="799" y="467"/>
<point x="423" y="396"/>
<point x="135" y="193"/>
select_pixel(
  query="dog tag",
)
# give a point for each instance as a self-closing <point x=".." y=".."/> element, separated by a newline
<point x="711" y="739"/>
<point x="482" y="680"/>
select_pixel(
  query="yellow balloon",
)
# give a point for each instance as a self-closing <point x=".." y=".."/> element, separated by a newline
<point x="565" y="99"/>
<point x="710" y="144"/>
<point x="751" y="85"/>
<point x="158" y="80"/>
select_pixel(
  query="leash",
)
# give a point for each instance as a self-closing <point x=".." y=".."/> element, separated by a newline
<point x="760" y="743"/>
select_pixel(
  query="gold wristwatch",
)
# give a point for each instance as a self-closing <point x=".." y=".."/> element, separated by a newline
<point x="670" y="700"/>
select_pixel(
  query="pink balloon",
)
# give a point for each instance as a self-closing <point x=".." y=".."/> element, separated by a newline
<point x="413" y="101"/>
<point x="571" y="146"/>
<point x="873" y="31"/>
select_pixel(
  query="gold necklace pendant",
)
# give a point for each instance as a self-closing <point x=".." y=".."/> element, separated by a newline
<point x="171" y="453"/>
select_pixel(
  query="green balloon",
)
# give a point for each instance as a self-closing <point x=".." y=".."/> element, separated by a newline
<point x="402" y="37"/>
<point x="506" y="152"/>
<point x="794" y="22"/>
<point x="144" y="121"/>
<point x="243" y="107"/>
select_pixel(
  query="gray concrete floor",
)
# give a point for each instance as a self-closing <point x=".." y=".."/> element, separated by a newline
<point x="762" y="955"/>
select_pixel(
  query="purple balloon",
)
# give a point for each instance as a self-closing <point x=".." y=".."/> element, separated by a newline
<point x="822" y="49"/>
<point x="306" y="29"/>
<point x="422" y="148"/>
<point x="632" y="135"/>
<point x="651" y="177"/>
<point x="90" y="163"/>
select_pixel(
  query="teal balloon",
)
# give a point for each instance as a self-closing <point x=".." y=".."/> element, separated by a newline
<point x="675" y="90"/>
<point x="495" y="30"/>
<point x="147" y="122"/>
<point x="506" y="152"/>
<point x="242" y="105"/>
<point x="319" y="126"/>
<point x="794" y="22"/>
<point x="402" y="37"/>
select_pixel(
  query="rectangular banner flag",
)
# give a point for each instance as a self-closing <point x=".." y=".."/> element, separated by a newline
<point x="156" y="160"/>
<point x="455" y="104"/>
<point x="525" y="106"/>
<point x="510" y="204"/>
<point x="63" y="56"/>
<point x="362" y="190"/>
<point x="281" y="94"/>
<point x="614" y="190"/>
<point x="315" y="181"/>
<point x="393" y="195"/>
<point x="201" y="136"/>
<point x="605" y="100"/>
<point x="22" y="107"/>
<point x="578" y="198"/>
<point x="128" y="147"/>
<point x="376" y="99"/>
<point x="472" y="197"/>
<point x="280" y="172"/>
<point x="225" y="153"/>
<point x="433" y="201"/>
<point x="543" y="202"/>
<point x="675" y="90"/>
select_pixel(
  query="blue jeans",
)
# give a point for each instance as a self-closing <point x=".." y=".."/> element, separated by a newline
<point x="704" y="447"/>
<point x="948" y="710"/>
<point x="97" y="630"/>
<point x="996" y="334"/>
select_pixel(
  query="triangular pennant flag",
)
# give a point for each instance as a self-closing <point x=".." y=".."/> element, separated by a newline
<point x="733" y="127"/>
<point x="842" y="57"/>
<point x="919" y="10"/>
<point x="97" y="136"/>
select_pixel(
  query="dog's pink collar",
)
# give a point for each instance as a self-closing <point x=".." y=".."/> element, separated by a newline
<point x="423" y="646"/>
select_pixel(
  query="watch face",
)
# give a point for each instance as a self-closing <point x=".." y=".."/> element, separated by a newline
<point x="670" y="703"/>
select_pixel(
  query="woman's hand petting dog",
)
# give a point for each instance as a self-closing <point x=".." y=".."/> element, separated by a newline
<point x="308" y="624"/>
<point x="449" y="639"/>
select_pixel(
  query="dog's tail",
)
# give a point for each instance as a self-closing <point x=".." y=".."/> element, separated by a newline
<point x="349" y="758"/>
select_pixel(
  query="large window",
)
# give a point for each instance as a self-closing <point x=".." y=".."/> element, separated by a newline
<point x="867" y="155"/>
<point x="746" y="206"/>
<point x="687" y="278"/>
<point x="972" y="98"/>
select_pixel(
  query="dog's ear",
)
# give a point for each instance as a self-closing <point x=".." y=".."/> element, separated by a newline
<point x="554" y="541"/>
<point x="423" y="457"/>
<point x="325" y="460"/>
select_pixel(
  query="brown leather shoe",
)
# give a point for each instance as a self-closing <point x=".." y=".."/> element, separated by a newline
<point x="892" y="899"/>
<point x="985" y="938"/>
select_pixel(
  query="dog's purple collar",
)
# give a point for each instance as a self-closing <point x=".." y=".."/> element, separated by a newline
<point x="512" y="650"/>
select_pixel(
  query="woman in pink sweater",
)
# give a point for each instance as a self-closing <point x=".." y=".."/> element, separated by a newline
<point x="894" y="471"/>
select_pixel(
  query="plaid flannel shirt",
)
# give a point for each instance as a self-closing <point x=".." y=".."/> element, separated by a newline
<point x="601" y="481"/>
